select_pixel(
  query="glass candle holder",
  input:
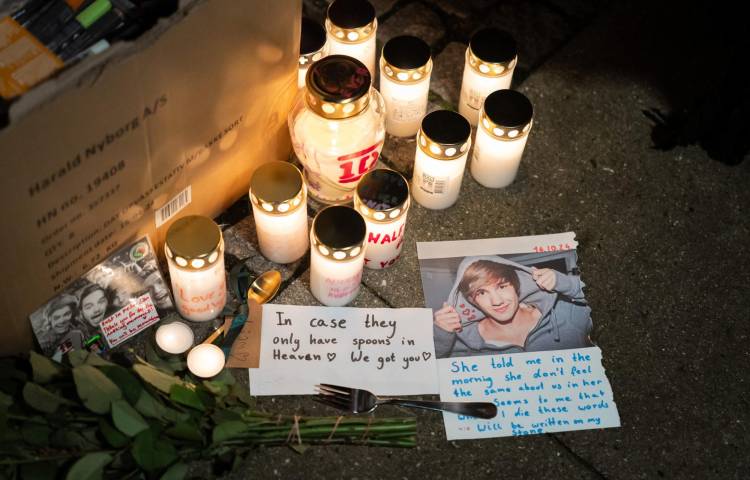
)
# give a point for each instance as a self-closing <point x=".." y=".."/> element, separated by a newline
<point x="382" y="198"/>
<point x="174" y="337"/>
<point x="195" y="253"/>
<point x="312" y="47"/>
<point x="337" y="255"/>
<point x="443" y="143"/>
<point x="277" y="194"/>
<point x="405" y="68"/>
<point x="337" y="127"/>
<point x="505" y="123"/>
<point x="490" y="59"/>
<point x="351" y="27"/>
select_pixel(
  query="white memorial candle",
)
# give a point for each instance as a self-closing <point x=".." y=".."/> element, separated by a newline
<point x="337" y="255"/>
<point x="312" y="47"/>
<point x="277" y="194"/>
<point x="205" y="360"/>
<point x="382" y="198"/>
<point x="505" y="123"/>
<point x="351" y="27"/>
<point x="174" y="338"/>
<point x="337" y="127"/>
<point x="405" y="68"/>
<point x="195" y="253"/>
<point x="443" y="144"/>
<point x="490" y="60"/>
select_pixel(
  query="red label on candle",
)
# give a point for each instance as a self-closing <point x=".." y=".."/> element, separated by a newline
<point x="362" y="161"/>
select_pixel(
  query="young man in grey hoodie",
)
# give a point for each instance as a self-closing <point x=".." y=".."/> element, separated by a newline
<point x="498" y="306"/>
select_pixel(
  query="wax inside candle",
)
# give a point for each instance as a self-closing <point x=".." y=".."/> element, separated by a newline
<point x="206" y="360"/>
<point x="282" y="238"/>
<point x="475" y="88"/>
<point x="364" y="51"/>
<point x="437" y="183"/>
<point x="200" y="295"/>
<point x="494" y="163"/>
<point x="174" y="338"/>
<point x="405" y="105"/>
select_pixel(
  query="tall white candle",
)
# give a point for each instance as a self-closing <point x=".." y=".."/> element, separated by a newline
<point x="490" y="60"/>
<point x="195" y="254"/>
<point x="351" y="27"/>
<point x="505" y="123"/>
<point x="405" y="69"/>
<point x="443" y="145"/>
<point x="337" y="127"/>
<point x="383" y="200"/>
<point x="337" y="255"/>
<point x="206" y="360"/>
<point x="277" y="194"/>
<point x="312" y="47"/>
<point x="174" y="337"/>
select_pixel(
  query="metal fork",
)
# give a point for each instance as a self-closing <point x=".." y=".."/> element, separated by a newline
<point x="356" y="400"/>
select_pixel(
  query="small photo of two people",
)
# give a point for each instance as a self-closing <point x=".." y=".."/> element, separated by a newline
<point x="71" y="320"/>
<point x="496" y="304"/>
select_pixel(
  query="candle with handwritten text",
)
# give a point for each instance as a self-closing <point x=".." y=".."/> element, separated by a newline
<point x="195" y="253"/>
<point x="337" y="255"/>
<point x="337" y="127"/>
<point x="382" y="197"/>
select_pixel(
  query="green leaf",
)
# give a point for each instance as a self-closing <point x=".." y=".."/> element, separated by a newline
<point x="36" y="434"/>
<point x="5" y="400"/>
<point x="43" y="368"/>
<point x="178" y="471"/>
<point x="94" y="388"/>
<point x="72" y="439"/>
<point x="112" y="435"/>
<point x="95" y="360"/>
<point x="39" y="398"/>
<point x="299" y="448"/>
<point x="162" y="381"/>
<point x="185" y="431"/>
<point x="149" y="406"/>
<point x="228" y="430"/>
<point x="89" y="467"/>
<point x="127" y="419"/>
<point x="78" y="357"/>
<point x="220" y="389"/>
<point x="169" y="364"/>
<point x="185" y="396"/>
<point x="126" y="381"/>
<point x="152" y="452"/>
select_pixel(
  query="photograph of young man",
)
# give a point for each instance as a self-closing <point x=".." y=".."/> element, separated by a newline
<point x="498" y="306"/>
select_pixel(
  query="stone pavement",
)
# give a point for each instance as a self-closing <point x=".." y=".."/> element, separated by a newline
<point x="662" y="248"/>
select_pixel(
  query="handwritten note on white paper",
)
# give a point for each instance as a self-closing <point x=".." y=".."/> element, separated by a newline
<point x="535" y="392"/>
<point x="388" y="351"/>
<point x="130" y="320"/>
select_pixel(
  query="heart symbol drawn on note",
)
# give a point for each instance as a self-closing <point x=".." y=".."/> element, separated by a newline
<point x="426" y="355"/>
<point x="331" y="356"/>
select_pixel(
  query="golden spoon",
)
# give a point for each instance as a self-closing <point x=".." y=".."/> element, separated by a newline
<point x="262" y="290"/>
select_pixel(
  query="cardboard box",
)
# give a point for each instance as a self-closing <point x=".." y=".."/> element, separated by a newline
<point x="176" y="120"/>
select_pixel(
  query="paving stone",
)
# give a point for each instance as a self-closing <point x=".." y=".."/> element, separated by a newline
<point x="382" y="6"/>
<point x="448" y="71"/>
<point x="538" y="30"/>
<point x="414" y="19"/>
<point x="451" y="7"/>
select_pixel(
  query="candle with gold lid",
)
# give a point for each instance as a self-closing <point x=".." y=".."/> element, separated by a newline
<point x="382" y="198"/>
<point x="405" y="68"/>
<point x="195" y="254"/>
<point x="490" y="60"/>
<point x="443" y="143"/>
<point x="277" y="194"/>
<point x="312" y="47"/>
<point x="504" y="126"/>
<point x="351" y="26"/>
<point x="337" y="255"/>
<point x="337" y="127"/>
